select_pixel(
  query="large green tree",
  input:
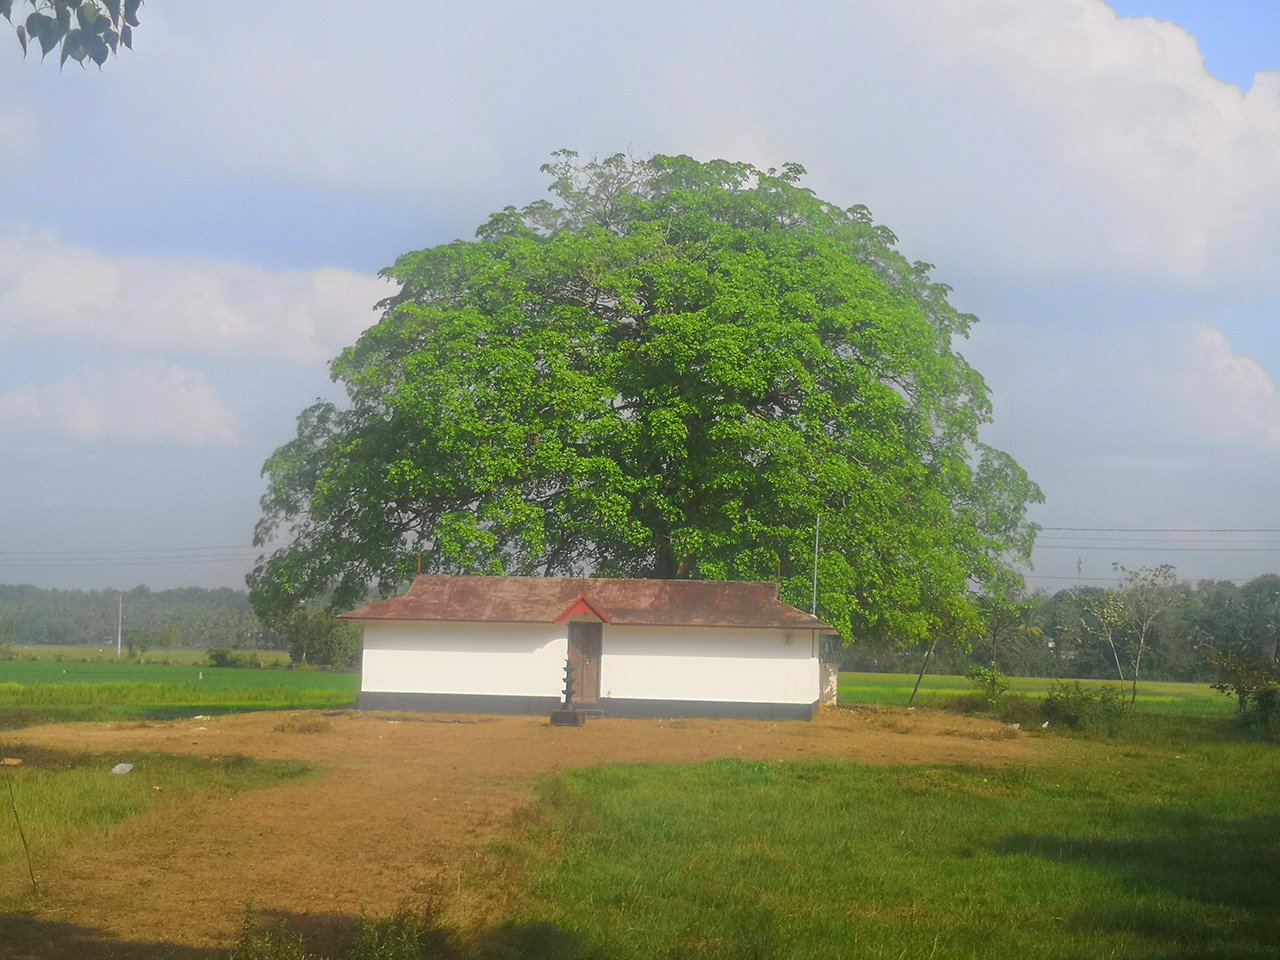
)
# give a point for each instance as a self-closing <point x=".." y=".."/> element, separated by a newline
<point x="671" y="369"/>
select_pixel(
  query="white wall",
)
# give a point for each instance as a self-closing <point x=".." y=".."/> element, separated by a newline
<point x="715" y="664"/>
<point x="725" y="664"/>
<point x="505" y="659"/>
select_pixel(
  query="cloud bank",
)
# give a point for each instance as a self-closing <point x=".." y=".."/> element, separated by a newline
<point x="53" y="292"/>
<point x="141" y="403"/>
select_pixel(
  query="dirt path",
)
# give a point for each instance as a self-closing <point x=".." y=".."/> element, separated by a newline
<point x="404" y="801"/>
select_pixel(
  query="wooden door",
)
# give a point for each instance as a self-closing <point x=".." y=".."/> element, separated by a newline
<point x="584" y="657"/>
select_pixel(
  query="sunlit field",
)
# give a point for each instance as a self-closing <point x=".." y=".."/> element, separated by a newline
<point x="1187" y="699"/>
<point x="1139" y="849"/>
<point x="48" y="690"/>
<point x="106" y="653"/>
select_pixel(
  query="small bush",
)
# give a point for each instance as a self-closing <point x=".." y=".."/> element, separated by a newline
<point x="7" y="652"/>
<point x="222" y="657"/>
<point x="990" y="681"/>
<point x="1263" y="711"/>
<point x="1022" y="710"/>
<point x="401" y="936"/>
<point x="277" y="943"/>
<point x="1088" y="709"/>
<point x="966" y="703"/>
<point x="398" y="937"/>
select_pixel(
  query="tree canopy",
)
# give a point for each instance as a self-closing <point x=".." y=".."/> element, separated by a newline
<point x="671" y="369"/>
<point x="81" y="29"/>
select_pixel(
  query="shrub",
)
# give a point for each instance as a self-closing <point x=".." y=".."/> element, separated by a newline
<point x="279" y="943"/>
<point x="990" y="681"/>
<point x="1088" y="709"/>
<point x="398" y="937"/>
<point x="7" y="652"/>
<point x="1240" y="677"/>
<point x="1264" y="711"/>
<point x="401" y="936"/>
<point x="1021" y="710"/>
<point x="966" y="703"/>
<point x="222" y="657"/>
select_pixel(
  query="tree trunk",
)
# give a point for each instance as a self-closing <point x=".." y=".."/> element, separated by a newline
<point x="1116" y="653"/>
<point x="923" y="667"/>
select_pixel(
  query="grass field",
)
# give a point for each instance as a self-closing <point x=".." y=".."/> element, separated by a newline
<point x="1142" y="849"/>
<point x="107" y="654"/>
<point x="894" y="689"/>
<point x="1162" y="842"/>
<point x="44" y="690"/>
<point x="58" y="797"/>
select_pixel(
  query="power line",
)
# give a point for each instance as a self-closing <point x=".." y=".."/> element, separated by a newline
<point x="1167" y="529"/>
<point x="122" y="551"/>
<point x="1045" y="576"/>
<point x="1239" y="581"/>
<point x="123" y="562"/>
<point x="1077" y="539"/>
<point x="1171" y="548"/>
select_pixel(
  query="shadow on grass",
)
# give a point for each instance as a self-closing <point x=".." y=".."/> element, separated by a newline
<point x="279" y="935"/>
<point x="274" y="934"/>
<point x="1226" y="869"/>
<point x="28" y="938"/>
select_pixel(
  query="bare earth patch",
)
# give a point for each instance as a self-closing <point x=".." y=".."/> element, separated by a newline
<point x="401" y="804"/>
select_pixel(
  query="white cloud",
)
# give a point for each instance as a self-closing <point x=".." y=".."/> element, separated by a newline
<point x="1223" y="395"/>
<point x="1038" y="136"/>
<point x="1179" y="168"/>
<point x="1159" y="425"/>
<point x="51" y="291"/>
<point x="138" y="403"/>
<point x="1153" y="393"/>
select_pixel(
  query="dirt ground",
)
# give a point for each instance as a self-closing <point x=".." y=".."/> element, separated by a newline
<point x="403" y="803"/>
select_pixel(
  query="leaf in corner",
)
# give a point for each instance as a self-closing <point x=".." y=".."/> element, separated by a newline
<point x="70" y="47"/>
<point x="42" y="28"/>
<point x="97" y="49"/>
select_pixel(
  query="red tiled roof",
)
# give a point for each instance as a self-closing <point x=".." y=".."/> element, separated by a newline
<point x="668" y="603"/>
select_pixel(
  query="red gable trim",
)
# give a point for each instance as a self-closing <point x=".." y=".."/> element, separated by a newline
<point x="580" y="606"/>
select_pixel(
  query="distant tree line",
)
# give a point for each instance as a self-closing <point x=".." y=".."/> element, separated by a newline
<point x="1149" y="626"/>
<point x="153" y="619"/>
<point x="156" y="620"/>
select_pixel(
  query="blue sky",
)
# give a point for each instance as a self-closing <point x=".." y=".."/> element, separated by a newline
<point x="1237" y="37"/>
<point x="187" y="236"/>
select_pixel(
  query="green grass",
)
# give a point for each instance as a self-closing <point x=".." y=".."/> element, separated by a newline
<point x="1164" y="846"/>
<point x="63" y="796"/>
<point x="107" y="654"/>
<point x="46" y="690"/>
<point x="1183" y="699"/>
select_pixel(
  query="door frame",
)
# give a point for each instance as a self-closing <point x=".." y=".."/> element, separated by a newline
<point x="586" y="641"/>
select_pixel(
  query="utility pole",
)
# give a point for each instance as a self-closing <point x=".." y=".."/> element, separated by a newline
<point x="119" y="626"/>
<point x="817" y="525"/>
